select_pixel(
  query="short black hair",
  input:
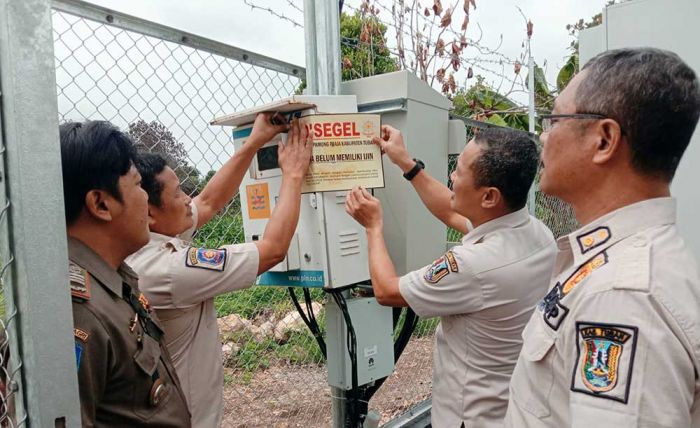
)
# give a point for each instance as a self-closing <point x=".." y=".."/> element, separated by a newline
<point x="653" y="95"/>
<point x="508" y="161"/>
<point x="149" y="166"/>
<point x="94" y="155"/>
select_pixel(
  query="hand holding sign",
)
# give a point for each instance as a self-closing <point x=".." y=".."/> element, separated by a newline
<point x="364" y="208"/>
<point x="295" y="156"/>
<point x="391" y="143"/>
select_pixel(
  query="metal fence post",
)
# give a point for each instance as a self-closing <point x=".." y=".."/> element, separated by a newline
<point x="37" y="279"/>
<point x="323" y="75"/>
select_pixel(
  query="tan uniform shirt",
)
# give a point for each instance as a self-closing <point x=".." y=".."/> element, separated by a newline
<point x="181" y="282"/>
<point x="125" y="375"/>
<point x="484" y="291"/>
<point x="616" y="342"/>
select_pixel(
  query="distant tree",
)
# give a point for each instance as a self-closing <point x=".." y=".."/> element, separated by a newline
<point x="154" y="137"/>
<point x="569" y="70"/>
<point x="483" y="103"/>
<point x="363" y="46"/>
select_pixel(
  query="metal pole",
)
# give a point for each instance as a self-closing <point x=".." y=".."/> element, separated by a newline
<point x="38" y="276"/>
<point x="323" y="73"/>
<point x="531" y="117"/>
<point x="310" y="38"/>
<point x="326" y="50"/>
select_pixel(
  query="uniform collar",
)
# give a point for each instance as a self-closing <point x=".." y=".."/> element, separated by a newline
<point x="618" y="225"/>
<point x="163" y="240"/>
<point x="85" y="257"/>
<point x="514" y="219"/>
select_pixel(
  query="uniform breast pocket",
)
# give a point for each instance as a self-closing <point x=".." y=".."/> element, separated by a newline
<point x="151" y="391"/>
<point x="533" y="377"/>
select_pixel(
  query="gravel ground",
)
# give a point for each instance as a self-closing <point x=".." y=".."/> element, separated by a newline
<point x="298" y="396"/>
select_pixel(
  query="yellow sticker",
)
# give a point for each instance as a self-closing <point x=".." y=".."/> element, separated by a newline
<point x="258" y="197"/>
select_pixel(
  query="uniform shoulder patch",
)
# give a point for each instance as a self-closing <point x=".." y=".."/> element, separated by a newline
<point x="451" y="261"/>
<point x="441" y="268"/>
<point x="81" y="334"/>
<point x="205" y="258"/>
<point x="79" y="279"/>
<point x="605" y="360"/>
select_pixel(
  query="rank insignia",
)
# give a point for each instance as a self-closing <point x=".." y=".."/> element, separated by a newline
<point x="582" y="272"/>
<point x="593" y="239"/>
<point x="80" y="334"/>
<point x="144" y="302"/>
<point x="605" y="360"/>
<point x="206" y="258"/>
<point x="441" y="268"/>
<point x="79" y="281"/>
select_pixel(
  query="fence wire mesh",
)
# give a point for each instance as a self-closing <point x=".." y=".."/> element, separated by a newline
<point x="552" y="211"/>
<point x="165" y="94"/>
<point x="11" y="409"/>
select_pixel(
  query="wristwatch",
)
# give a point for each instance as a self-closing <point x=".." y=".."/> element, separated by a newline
<point x="414" y="171"/>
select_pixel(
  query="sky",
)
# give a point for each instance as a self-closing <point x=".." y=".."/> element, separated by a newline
<point x="235" y="22"/>
<point x="107" y="73"/>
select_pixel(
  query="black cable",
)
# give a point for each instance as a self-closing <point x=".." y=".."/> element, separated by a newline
<point x="310" y="323"/>
<point x="312" y="318"/>
<point x="353" y="418"/>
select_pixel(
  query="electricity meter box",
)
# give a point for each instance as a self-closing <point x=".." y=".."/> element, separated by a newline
<point x="329" y="248"/>
<point x="375" y="342"/>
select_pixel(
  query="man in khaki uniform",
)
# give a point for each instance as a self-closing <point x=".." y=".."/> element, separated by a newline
<point x="181" y="280"/>
<point x="616" y="341"/>
<point x="485" y="289"/>
<point x="125" y="374"/>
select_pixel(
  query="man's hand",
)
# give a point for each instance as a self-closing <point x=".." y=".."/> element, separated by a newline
<point x="364" y="208"/>
<point x="263" y="129"/>
<point x="391" y="143"/>
<point x="294" y="156"/>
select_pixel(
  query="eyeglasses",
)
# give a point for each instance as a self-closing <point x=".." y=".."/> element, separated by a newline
<point x="548" y="120"/>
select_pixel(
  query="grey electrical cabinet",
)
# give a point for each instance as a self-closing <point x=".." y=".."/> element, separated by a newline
<point x="414" y="237"/>
<point x="375" y="342"/>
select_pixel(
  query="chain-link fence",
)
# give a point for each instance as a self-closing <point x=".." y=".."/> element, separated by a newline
<point x="10" y="362"/>
<point x="552" y="211"/>
<point x="164" y="87"/>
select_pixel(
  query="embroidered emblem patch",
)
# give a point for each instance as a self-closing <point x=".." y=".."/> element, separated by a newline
<point x="206" y="258"/>
<point x="78" y="355"/>
<point x="80" y="334"/>
<point x="441" y="268"/>
<point x="79" y="281"/>
<point x="437" y="270"/>
<point x="605" y="360"/>
<point x="583" y="271"/>
<point x="594" y="238"/>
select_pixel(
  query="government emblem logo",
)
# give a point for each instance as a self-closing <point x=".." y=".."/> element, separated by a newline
<point x="606" y="355"/>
